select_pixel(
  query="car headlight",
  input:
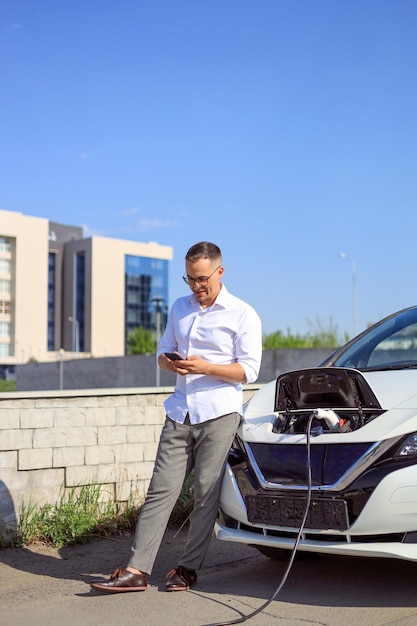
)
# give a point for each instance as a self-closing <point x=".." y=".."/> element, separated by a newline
<point x="408" y="446"/>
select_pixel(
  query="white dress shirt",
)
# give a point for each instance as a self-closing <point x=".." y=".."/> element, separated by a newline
<point x="228" y="331"/>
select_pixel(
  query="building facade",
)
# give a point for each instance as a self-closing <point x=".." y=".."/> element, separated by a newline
<point x="63" y="293"/>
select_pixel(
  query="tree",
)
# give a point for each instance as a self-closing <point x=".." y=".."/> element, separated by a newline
<point x="141" y="341"/>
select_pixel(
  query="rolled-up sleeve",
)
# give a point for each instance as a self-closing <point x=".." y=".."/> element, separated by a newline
<point x="249" y="344"/>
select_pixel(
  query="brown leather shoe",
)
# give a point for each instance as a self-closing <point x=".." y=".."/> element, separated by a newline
<point x="180" y="579"/>
<point x="120" y="581"/>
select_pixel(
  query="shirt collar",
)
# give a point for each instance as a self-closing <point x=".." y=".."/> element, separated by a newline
<point x="221" y="299"/>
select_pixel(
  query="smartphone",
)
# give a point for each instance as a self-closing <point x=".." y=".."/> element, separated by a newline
<point x="173" y="356"/>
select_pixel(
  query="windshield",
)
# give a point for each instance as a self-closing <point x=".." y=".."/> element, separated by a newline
<point x="390" y="344"/>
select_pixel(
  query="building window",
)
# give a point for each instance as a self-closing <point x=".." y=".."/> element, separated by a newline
<point x="79" y="321"/>
<point x="4" y="349"/>
<point x="4" y="329"/>
<point x="4" y="307"/>
<point x="5" y="245"/>
<point x="51" y="300"/>
<point x="7" y="248"/>
<point x="5" y="287"/>
<point x="5" y="267"/>
<point x="146" y="283"/>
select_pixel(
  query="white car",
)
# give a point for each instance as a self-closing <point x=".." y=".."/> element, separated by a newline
<point x="326" y="457"/>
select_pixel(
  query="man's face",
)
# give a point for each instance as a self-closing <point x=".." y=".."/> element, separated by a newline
<point x="209" y="272"/>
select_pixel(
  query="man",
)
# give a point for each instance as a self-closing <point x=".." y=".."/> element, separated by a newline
<point x="218" y="339"/>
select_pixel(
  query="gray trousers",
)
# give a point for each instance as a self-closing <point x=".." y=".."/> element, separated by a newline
<point x="182" y="448"/>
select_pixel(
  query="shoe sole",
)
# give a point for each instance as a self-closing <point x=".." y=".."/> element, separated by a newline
<point x="116" y="589"/>
<point x="178" y="588"/>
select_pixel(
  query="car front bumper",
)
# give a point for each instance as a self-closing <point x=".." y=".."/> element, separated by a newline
<point x="386" y="527"/>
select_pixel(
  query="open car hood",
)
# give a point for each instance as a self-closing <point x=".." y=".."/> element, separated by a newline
<point x="323" y="387"/>
<point x="345" y="400"/>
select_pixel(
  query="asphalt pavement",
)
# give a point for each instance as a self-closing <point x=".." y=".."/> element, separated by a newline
<point x="47" y="586"/>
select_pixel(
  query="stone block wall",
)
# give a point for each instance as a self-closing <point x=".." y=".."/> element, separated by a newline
<point x="50" y="441"/>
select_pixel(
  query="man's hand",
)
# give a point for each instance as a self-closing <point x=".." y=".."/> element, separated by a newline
<point x="193" y="365"/>
<point x="171" y="365"/>
<point x="233" y="373"/>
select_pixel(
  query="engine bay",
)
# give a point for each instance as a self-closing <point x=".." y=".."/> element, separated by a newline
<point x="340" y="399"/>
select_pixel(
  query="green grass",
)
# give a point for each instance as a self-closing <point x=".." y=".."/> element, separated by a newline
<point x="7" y="385"/>
<point x="82" y="514"/>
<point x="79" y="515"/>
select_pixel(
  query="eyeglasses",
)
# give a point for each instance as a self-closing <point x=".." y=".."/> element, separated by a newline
<point x="202" y="280"/>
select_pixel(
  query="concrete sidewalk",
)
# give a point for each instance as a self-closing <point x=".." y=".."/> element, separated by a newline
<point x="44" y="585"/>
<point x="48" y="587"/>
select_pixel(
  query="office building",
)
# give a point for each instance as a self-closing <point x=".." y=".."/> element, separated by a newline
<point x="61" y="292"/>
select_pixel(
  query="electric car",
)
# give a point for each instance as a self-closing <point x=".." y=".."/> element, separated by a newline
<point x="325" y="459"/>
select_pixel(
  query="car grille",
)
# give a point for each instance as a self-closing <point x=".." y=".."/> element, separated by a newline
<point x="287" y="464"/>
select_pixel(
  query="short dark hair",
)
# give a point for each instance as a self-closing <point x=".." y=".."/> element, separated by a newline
<point x="204" y="249"/>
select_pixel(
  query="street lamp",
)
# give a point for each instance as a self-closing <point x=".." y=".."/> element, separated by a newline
<point x="76" y="339"/>
<point x="61" y="369"/>
<point x="352" y="263"/>
<point x="157" y="302"/>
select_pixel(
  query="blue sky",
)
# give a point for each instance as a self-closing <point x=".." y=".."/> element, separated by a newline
<point x="284" y="131"/>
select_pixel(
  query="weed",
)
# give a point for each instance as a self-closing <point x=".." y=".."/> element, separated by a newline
<point x="81" y="514"/>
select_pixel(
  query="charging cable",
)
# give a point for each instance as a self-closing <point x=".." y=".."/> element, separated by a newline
<point x="244" y="618"/>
